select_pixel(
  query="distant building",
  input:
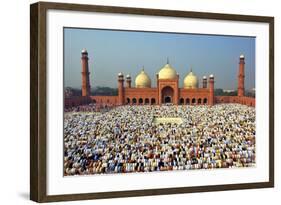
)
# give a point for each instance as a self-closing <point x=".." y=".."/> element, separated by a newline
<point x="68" y="92"/>
<point x="228" y="91"/>
<point x="167" y="89"/>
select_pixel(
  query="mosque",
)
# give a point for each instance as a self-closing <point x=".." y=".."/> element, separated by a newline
<point x="167" y="90"/>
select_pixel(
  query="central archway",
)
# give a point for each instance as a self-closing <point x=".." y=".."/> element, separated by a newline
<point x="167" y="95"/>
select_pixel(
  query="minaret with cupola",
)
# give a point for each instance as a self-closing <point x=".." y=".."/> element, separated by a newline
<point x="120" y="88"/>
<point x="212" y="89"/>
<point x="86" y="87"/>
<point x="241" y="76"/>
<point x="128" y="81"/>
<point x="204" y="81"/>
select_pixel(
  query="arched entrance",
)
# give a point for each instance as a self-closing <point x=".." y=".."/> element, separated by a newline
<point x="167" y="95"/>
<point x="193" y="101"/>
<point x="134" y="101"/>
<point x="205" y="101"/>
<point x="146" y="101"/>
<point x="181" y="101"/>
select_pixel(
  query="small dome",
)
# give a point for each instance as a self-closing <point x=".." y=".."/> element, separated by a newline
<point x="190" y="81"/>
<point x="242" y="56"/>
<point x="204" y="77"/>
<point x="120" y="74"/>
<point x="128" y="76"/>
<point x="167" y="72"/>
<point x="84" y="50"/>
<point x="142" y="80"/>
<point x="211" y="76"/>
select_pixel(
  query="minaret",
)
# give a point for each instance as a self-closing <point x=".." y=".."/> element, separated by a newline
<point x="241" y="76"/>
<point x="120" y="89"/>
<point x="158" y="100"/>
<point x="86" y="87"/>
<point x="128" y="81"/>
<point x="212" y="89"/>
<point x="204" y="81"/>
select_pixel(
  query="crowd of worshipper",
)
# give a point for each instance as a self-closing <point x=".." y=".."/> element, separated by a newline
<point x="89" y="108"/>
<point x="126" y="139"/>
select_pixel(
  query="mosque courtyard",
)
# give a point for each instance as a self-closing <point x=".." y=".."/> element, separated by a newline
<point x="158" y="138"/>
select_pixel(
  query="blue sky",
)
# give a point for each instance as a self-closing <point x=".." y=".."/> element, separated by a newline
<point x="111" y="52"/>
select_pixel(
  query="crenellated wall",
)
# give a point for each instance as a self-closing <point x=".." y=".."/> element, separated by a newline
<point x="244" y="100"/>
<point x="76" y="100"/>
<point x="250" y="101"/>
<point x="105" y="100"/>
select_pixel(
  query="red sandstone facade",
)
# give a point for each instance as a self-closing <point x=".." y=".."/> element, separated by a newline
<point x="167" y="91"/>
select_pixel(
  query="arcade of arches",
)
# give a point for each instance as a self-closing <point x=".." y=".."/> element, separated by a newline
<point x="166" y="99"/>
